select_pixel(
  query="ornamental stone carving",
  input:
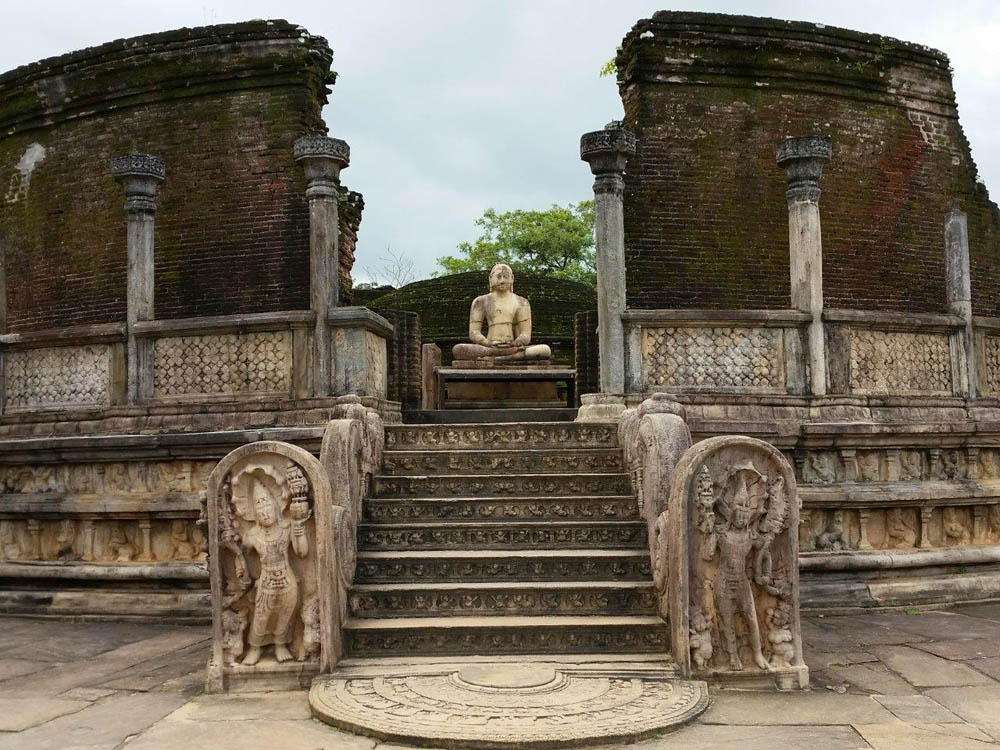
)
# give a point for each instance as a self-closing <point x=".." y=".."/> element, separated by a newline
<point x="57" y="377"/>
<point x="265" y="502"/>
<point x="891" y="362"/>
<point x="712" y="357"/>
<point x="223" y="364"/>
<point x="733" y="522"/>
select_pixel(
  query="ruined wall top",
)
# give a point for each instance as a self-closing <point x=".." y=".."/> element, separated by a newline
<point x="184" y="62"/>
<point x="709" y="98"/>
<point x="222" y="106"/>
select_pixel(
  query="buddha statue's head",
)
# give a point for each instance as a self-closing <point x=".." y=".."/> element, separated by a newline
<point x="501" y="278"/>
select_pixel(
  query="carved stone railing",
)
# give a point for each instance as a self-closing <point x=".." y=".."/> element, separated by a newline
<point x="227" y="357"/>
<point x="282" y="552"/>
<point x="653" y="437"/>
<point x="192" y="360"/>
<point x="718" y="351"/>
<point x="80" y="367"/>
<point x="893" y="354"/>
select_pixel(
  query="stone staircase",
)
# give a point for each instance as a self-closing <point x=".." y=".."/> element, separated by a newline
<point x="495" y="539"/>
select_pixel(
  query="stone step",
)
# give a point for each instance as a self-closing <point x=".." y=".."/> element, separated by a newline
<point x="503" y="535"/>
<point x="471" y="485"/>
<point x="542" y="508"/>
<point x="499" y="599"/>
<point x="428" y="636"/>
<point x="583" y="460"/>
<point x="513" y="435"/>
<point x="464" y="416"/>
<point x="464" y="566"/>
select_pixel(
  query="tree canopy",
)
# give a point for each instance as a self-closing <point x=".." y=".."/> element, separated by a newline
<point x="558" y="242"/>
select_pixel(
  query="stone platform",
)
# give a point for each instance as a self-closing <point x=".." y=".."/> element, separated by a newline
<point x="508" y="705"/>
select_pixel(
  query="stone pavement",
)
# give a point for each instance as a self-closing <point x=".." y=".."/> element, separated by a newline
<point x="884" y="681"/>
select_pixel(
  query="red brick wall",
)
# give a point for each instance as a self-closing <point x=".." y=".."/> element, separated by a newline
<point x="710" y="97"/>
<point x="222" y="106"/>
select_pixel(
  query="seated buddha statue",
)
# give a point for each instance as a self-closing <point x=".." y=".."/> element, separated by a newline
<point x="508" y="321"/>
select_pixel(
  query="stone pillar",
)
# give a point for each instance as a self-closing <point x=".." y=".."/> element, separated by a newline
<point x="959" y="293"/>
<point x="139" y="175"/>
<point x="322" y="159"/>
<point x="607" y="152"/>
<point x="802" y="159"/>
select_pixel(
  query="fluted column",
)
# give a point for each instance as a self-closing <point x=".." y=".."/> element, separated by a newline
<point x="607" y="152"/>
<point x="322" y="159"/>
<point x="803" y="159"/>
<point x="139" y="175"/>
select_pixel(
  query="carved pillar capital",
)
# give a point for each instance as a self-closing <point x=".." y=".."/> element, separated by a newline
<point x="139" y="175"/>
<point x="607" y="150"/>
<point x="322" y="158"/>
<point x="802" y="159"/>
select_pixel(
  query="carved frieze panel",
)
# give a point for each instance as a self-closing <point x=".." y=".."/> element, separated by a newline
<point x="266" y="502"/>
<point x="114" y="477"/>
<point x="821" y="466"/>
<point x="733" y="525"/>
<point x="101" y="540"/>
<point x="411" y="437"/>
<point x="713" y="357"/>
<point x="893" y="362"/>
<point x="543" y="508"/>
<point x="514" y="536"/>
<point x="57" y="377"/>
<point x="899" y="527"/>
<point x="223" y="364"/>
<point x="394" y="570"/>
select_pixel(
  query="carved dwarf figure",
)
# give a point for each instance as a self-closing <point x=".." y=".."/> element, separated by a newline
<point x="833" y="537"/>
<point x="9" y="544"/>
<point x="277" y="592"/>
<point x="310" y="629"/>
<point x="701" y="639"/>
<point x="180" y="547"/>
<point x="122" y="550"/>
<point x="734" y="537"/>
<point x="508" y="320"/>
<point x="900" y="534"/>
<point x="955" y="530"/>
<point x="780" y="636"/>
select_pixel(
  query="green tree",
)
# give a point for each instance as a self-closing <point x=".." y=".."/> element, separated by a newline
<point x="557" y="242"/>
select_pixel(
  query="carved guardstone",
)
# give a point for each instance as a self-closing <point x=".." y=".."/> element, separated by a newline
<point x="733" y="518"/>
<point x="271" y="606"/>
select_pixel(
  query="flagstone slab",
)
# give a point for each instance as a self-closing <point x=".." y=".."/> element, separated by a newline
<point x="979" y="706"/>
<point x="900" y="736"/>
<point x="923" y="670"/>
<point x="917" y="709"/>
<point x="17" y="714"/>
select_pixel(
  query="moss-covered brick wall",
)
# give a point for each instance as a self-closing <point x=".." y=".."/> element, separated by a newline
<point x="222" y="105"/>
<point x="710" y="96"/>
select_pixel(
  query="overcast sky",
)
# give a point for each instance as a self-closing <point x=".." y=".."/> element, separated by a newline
<point x="455" y="106"/>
